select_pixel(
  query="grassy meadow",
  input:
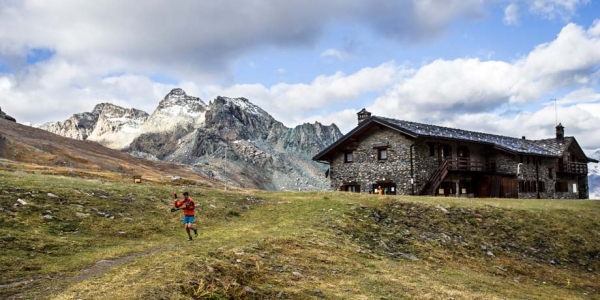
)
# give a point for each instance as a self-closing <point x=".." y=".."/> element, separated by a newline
<point x="108" y="238"/>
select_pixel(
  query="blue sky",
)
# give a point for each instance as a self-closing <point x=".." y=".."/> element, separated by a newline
<point x="484" y="65"/>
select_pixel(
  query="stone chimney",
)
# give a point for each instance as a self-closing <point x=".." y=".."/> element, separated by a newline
<point x="560" y="132"/>
<point x="363" y="115"/>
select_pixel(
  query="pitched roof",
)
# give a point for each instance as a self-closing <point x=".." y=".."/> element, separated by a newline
<point x="509" y="143"/>
<point x="419" y="130"/>
<point x="559" y="147"/>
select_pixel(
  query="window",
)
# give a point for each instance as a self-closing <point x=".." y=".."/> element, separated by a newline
<point x="445" y="151"/>
<point x="381" y="154"/>
<point x="348" y="157"/>
<point x="574" y="187"/>
<point x="522" y="186"/>
<point x="353" y="188"/>
<point x="528" y="186"/>
<point x="561" y="187"/>
<point x="542" y="187"/>
<point x="431" y="149"/>
<point x="550" y="173"/>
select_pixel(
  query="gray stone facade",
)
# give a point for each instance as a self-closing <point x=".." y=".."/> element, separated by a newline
<point x="473" y="169"/>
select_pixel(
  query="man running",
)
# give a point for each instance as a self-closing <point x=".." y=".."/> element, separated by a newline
<point x="188" y="213"/>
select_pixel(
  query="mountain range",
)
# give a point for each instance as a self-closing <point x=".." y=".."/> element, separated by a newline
<point x="228" y="139"/>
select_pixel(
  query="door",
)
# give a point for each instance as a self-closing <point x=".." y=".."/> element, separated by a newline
<point x="388" y="187"/>
<point x="463" y="158"/>
<point x="484" y="187"/>
<point x="444" y="152"/>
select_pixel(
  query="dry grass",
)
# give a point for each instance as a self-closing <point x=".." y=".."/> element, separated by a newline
<point x="279" y="245"/>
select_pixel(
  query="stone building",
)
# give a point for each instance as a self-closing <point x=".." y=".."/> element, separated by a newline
<point x="408" y="158"/>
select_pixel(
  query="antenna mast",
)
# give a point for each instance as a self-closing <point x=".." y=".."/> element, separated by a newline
<point x="555" y="114"/>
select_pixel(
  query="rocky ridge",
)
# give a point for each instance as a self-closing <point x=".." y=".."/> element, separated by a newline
<point x="3" y="115"/>
<point x="110" y="125"/>
<point x="230" y="139"/>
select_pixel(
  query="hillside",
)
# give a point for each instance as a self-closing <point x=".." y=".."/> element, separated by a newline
<point x="60" y="155"/>
<point x="85" y="239"/>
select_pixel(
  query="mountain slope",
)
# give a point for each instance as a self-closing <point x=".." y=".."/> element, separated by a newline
<point x="33" y="145"/>
<point x="230" y="139"/>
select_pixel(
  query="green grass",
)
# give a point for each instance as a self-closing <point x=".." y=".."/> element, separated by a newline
<point x="289" y="245"/>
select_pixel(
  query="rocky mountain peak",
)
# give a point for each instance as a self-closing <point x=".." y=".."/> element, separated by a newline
<point x="178" y="98"/>
<point x="176" y="110"/>
<point x="239" y="119"/>
<point x="111" y="125"/>
<point x="177" y="92"/>
<point x="308" y="139"/>
<point x="239" y="104"/>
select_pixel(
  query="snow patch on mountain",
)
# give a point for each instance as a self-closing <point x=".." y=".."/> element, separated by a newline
<point x="244" y="104"/>
<point x="116" y="126"/>
<point x="177" y="109"/>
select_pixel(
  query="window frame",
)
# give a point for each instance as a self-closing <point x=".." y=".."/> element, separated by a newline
<point x="380" y="151"/>
<point x="431" y="149"/>
<point x="348" y="154"/>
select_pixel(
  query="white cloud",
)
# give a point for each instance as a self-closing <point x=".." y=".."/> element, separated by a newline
<point x="483" y="95"/>
<point x="511" y="14"/>
<point x="582" y="95"/>
<point x="325" y="93"/>
<point x="198" y="38"/>
<point x="551" y="9"/>
<point x="108" y="50"/>
<point x="336" y="54"/>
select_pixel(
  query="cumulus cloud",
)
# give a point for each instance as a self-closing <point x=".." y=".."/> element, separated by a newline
<point x="181" y="40"/>
<point x="109" y="50"/>
<point x="324" y="93"/>
<point x="474" y="94"/>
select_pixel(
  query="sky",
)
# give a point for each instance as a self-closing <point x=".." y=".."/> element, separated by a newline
<point x="508" y="67"/>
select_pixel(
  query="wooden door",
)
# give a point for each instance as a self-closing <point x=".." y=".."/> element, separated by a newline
<point x="484" y="187"/>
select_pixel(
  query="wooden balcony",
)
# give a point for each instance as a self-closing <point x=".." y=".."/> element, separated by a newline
<point x="474" y="165"/>
<point x="572" y="168"/>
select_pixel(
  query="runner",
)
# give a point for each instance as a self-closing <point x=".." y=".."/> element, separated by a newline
<point x="189" y="206"/>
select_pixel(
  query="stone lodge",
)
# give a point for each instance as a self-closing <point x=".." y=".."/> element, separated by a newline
<point x="408" y="158"/>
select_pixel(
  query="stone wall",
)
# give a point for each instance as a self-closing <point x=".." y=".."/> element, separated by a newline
<point x="529" y="173"/>
<point x="366" y="169"/>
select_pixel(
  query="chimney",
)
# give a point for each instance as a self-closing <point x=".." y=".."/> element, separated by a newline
<point x="560" y="132"/>
<point x="363" y="115"/>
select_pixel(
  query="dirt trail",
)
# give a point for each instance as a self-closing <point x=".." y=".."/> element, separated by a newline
<point x="99" y="268"/>
<point x="104" y="265"/>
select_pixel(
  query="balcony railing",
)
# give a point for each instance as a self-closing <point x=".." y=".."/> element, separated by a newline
<point x="469" y="164"/>
<point x="572" y="168"/>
